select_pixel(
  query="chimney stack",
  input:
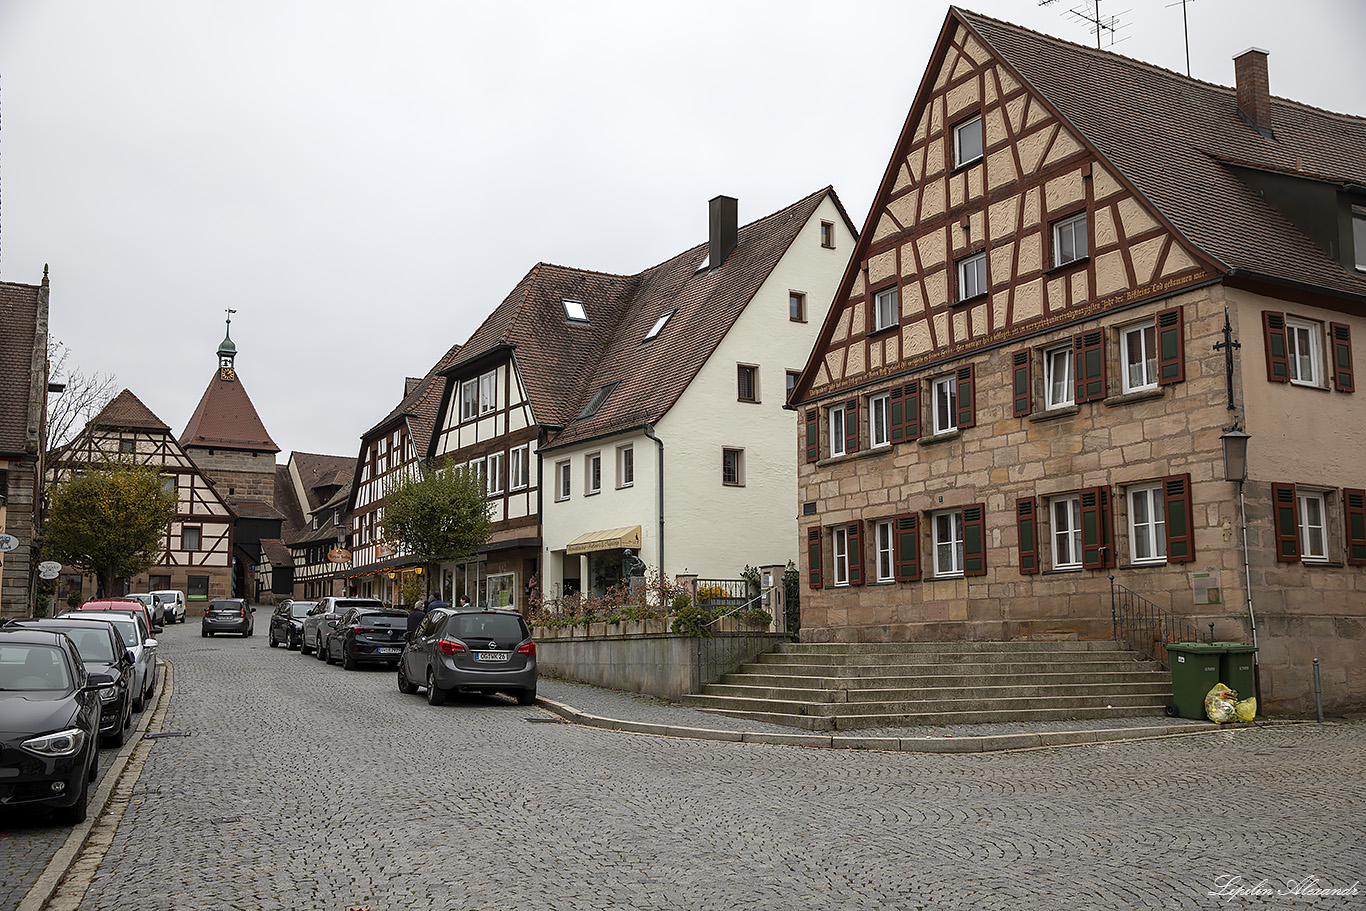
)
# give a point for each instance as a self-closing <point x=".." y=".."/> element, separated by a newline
<point x="723" y="222"/>
<point x="1254" y="91"/>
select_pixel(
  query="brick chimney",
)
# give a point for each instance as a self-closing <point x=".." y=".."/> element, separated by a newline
<point x="724" y="225"/>
<point x="1254" y="91"/>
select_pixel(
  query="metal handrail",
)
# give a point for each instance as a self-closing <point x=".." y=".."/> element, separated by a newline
<point x="1144" y="627"/>
<point x="745" y="606"/>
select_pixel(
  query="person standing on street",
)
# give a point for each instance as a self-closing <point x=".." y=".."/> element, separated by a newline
<point x="415" y="617"/>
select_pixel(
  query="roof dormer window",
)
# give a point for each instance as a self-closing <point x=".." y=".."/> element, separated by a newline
<point x="575" y="311"/>
<point x="659" y="325"/>
<point x="1359" y="235"/>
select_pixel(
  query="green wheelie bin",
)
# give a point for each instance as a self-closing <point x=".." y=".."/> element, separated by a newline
<point x="1195" y="671"/>
<point x="1236" y="668"/>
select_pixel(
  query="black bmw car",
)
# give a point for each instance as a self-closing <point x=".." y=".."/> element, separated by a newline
<point x="49" y="723"/>
<point x="102" y="651"/>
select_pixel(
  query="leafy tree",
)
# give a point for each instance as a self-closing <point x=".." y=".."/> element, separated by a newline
<point x="110" y="521"/>
<point x="438" y="515"/>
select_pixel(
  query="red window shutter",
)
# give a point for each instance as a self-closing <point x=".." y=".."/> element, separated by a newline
<point x="912" y="411"/>
<point x="1340" y="339"/>
<point x="1354" y="512"/>
<point x="906" y="547"/>
<point x="813" y="435"/>
<point x="1176" y="502"/>
<point x="855" y="544"/>
<point x="851" y="426"/>
<point x="1097" y="532"/>
<point x="1286" y="515"/>
<point x="1021" y="382"/>
<point x="967" y="403"/>
<point x="1277" y="351"/>
<point x="975" y="540"/>
<point x="1027" y="522"/>
<point x="1171" y="347"/>
<point x="813" y="556"/>
<point x="1088" y="368"/>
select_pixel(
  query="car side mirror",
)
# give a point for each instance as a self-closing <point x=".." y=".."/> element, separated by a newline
<point x="129" y="657"/>
<point x="158" y="630"/>
<point x="149" y="643"/>
<point x="332" y="623"/>
<point x="100" y="681"/>
<point x="253" y="610"/>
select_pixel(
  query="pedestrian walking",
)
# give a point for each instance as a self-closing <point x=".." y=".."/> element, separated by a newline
<point x="415" y="617"/>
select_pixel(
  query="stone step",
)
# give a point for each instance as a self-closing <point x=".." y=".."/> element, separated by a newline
<point x="856" y="722"/>
<point x="890" y="691"/>
<point x="1002" y="706"/>
<point x="947" y="668"/>
<point x="862" y="648"/>
<point x="986" y="677"/>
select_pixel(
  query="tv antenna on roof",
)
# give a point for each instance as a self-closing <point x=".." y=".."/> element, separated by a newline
<point x="1185" y="29"/>
<point x="1100" y="25"/>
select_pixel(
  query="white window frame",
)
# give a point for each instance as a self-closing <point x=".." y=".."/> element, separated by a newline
<point x="562" y="479"/>
<point x="944" y="392"/>
<point x="1359" y="236"/>
<point x="1071" y="229"/>
<point x="883" y="537"/>
<point x="948" y="543"/>
<point x="488" y="393"/>
<point x="592" y="474"/>
<point x="1059" y="391"/>
<point x="1312" y="526"/>
<point x="475" y="467"/>
<point x="958" y="132"/>
<point x="495" y="474"/>
<point x="839" y="544"/>
<point x="1147" y="524"/>
<point x="880" y="421"/>
<point x="519" y="472"/>
<point x="1304" y="351"/>
<point x="836" y="419"/>
<point x="886" y="308"/>
<point x="469" y="402"/>
<point x="737" y="455"/>
<point x="1138" y="373"/>
<point x="1064" y="531"/>
<point x="626" y="466"/>
<point x="979" y="276"/>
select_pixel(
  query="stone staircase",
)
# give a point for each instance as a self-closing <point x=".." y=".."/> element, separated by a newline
<point x="843" y="686"/>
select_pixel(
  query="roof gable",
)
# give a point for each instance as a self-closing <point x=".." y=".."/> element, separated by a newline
<point x="226" y="419"/>
<point x="126" y="410"/>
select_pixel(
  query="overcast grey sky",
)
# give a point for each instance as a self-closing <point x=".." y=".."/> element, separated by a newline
<point x="365" y="182"/>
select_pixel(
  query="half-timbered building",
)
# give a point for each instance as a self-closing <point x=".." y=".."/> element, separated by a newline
<point x="1023" y="395"/>
<point x="313" y="491"/>
<point x="23" y="412"/>
<point x="198" y="548"/>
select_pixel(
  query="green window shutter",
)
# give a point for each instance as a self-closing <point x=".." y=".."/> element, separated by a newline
<point x="855" y="534"/>
<point x="906" y="547"/>
<point x="813" y="435"/>
<point x="967" y="403"/>
<point x="912" y="410"/>
<point x="1277" y="351"/>
<point x="1097" y="533"/>
<point x="1176" y="502"/>
<point x="1340" y="340"/>
<point x="1088" y="368"/>
<point x="1027" y="522"/>
<point x="1021" y="384"/>
<point x="975" y="540"/>
<point x="896" y="417"/>
<point x="1286" y="515"/>
<point x="1171" y="347"/>
<point x="813" y="556"/>
<point x="1354" y="512"/>
<point x="851" y="426"/>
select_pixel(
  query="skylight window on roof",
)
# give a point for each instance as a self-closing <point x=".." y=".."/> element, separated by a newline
<point x="575" y="311"/>
<point x="659" y="324"/>
<point x="596" y="401"/>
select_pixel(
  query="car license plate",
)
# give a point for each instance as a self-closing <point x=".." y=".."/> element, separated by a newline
<point x="490" y="656"/>
<point x="388" y="651"/>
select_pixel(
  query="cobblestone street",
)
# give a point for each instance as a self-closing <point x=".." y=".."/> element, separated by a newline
<point x="302" y="786"/>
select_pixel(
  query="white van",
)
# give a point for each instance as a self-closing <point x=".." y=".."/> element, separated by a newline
<point x="172" y="606"/>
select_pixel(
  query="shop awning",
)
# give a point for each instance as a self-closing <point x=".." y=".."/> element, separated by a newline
<point x="607" y="539"/>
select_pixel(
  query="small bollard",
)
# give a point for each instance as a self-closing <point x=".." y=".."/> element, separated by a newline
<point x="1318" y="691"/>
<point x="1211" y="632"/>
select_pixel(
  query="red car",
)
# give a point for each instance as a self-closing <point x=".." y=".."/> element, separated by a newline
<point x="127" y="605"/>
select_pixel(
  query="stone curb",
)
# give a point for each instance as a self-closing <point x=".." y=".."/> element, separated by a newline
<point x="985" y="744"/>
<point x="65" y="857"/>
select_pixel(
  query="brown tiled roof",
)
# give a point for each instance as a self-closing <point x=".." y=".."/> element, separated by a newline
<point x="1172" y="137"/>
<point x="226" y="419"/>
<point x="126" y="410"/>
<point x="247" y="508"/>
<point x="563" y="364"/>
<point x="19" y="307"/>
<point x="420" y="404"/>
<point x="276" y="552"/>
<point x="288" y="504"/>
<point x="319" y="472"/>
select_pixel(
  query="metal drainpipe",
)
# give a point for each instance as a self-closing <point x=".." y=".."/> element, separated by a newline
<point x="1252" y="617"/>
<point x="650" y="432"/>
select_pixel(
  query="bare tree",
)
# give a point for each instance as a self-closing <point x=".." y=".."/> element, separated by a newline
<point x="85" y="396"/>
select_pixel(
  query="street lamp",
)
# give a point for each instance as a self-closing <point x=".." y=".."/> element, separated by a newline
<point x="1235" y="454"/>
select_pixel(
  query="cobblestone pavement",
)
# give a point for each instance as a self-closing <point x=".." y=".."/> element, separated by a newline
<point x="303" y="786"/>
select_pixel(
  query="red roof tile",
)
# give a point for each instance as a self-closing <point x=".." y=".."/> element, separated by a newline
<point x="126" y="410"/>
<point x="226" y="419"/>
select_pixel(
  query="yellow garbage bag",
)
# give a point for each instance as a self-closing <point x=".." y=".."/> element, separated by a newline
<point x="1246" y="710"/>
<point x="1220" y="704"/>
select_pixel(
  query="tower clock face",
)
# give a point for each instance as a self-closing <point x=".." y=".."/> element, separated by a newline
<point x="227" y="373"/>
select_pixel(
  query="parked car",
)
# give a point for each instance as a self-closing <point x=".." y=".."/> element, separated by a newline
<point x="149" y="601"/>
<point x="287" y="623"/>
<point x="173" y="605"/>
<point x="126" y="605"/>
<point x="102" y="650"/>
<point x="322" y="619"/>
<point x="228" y="615"/>
<point x="488" y="651"/>
<point x="49" y="723"/>
<point x="139" y="641"/>
<point x="366" y="636"/>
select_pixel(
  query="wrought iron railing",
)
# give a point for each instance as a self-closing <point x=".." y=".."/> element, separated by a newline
<point x="733" y="637"/>
<point x="1144" y="627"/>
